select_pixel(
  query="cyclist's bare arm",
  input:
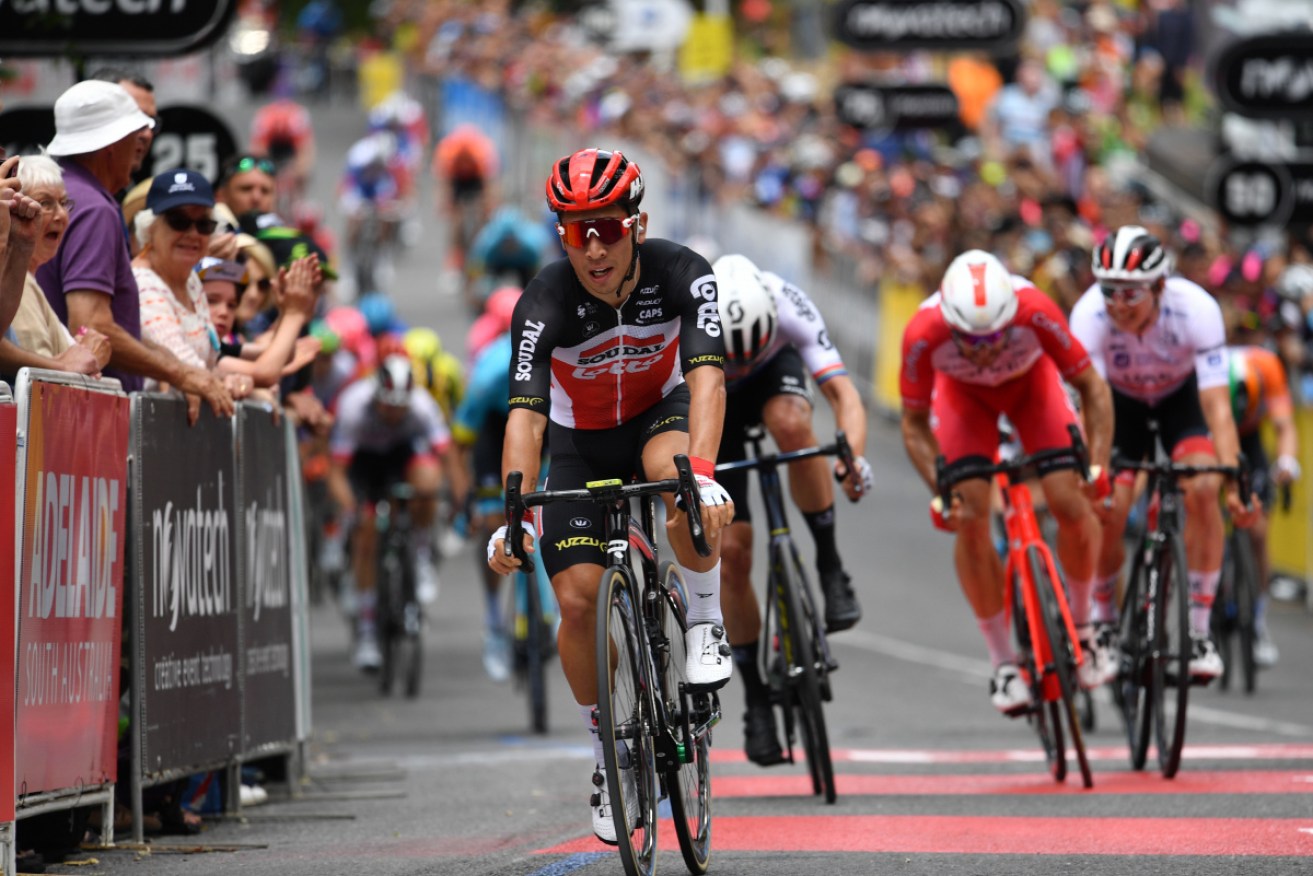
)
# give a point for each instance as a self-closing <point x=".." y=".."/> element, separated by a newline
<point x="1216" y="404"/>
<point x="1096" y="407"/>
<point x="922" y="448"/>
<point x="706" y="411"/>
<point x="521" y="451"/>
<point x="339" y="487"/>
<point x="849" y="414"/>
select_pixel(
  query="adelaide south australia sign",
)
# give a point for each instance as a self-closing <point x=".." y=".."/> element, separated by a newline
<point x="896" y="25"/>
<point x="43" y="28"/>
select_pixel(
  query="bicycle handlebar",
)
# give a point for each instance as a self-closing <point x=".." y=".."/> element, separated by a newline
<point x="1168" y="468"/>
<point x="684" y="486"/>
<point x="1014" y="469"/>
<point x="840" y="448"/>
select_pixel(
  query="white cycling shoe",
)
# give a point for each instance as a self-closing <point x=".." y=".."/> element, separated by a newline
<point x="709" y="664"/>
<point x="600" y="804"/>
<point x="1008" y="691"/>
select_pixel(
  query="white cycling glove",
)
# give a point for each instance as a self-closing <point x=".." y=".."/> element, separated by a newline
<point x="865" y="478"/>
<point x="499" y="535"/>
<point x="709" y="492"/>
<point x="1288" y="465"/>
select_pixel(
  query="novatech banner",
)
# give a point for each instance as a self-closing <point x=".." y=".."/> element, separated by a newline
<point x="71" y="585"/>
<point x="185" y="569"/>
<point x="56" y="28"/>
<point x="269" y="691"/>
<point x="896" y="25"/>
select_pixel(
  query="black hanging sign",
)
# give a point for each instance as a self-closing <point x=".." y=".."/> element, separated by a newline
<point x="158" y="28"/>
<point x="898" y="25"/>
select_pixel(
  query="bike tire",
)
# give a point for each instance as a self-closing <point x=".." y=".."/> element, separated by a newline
<point x="1046" y="727"/>
<point x="535" y="676"/>
<point x="688" y="781"/>
<point x="1246" y="592"/>
<point x="1135" y="675"/>
<point x="624" y="719"/>
<point x="1172" y="668"/>
<point x="410" y="643"/>
<point x="1064" y="661"/>
<point x="799" y="655"/>
<point x="387" y="594"/>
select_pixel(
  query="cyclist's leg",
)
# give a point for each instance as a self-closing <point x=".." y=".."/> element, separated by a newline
<point x="370" y="475"/>
<point x="424" y="476"/>
<point x="966" y="428"/>
<point x="1260" y="474"/>
<point x="1131" y="438"/>
<point x="490" y="513"/>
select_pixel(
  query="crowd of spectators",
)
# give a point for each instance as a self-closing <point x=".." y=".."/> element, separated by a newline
<point x="1043" y="163"/>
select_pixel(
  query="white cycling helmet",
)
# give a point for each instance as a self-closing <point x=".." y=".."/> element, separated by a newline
<point x="394" y="381"/>
<point x="1131" y="255"/>
<point x="976" y="295"/>
<point x="747" y="309"/>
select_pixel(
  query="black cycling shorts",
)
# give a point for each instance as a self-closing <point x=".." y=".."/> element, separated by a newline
<point x="1260" y="470"/>
<point x="1179" y="417"/>
<point x="785" y="374"/>
<point x="372" y="474"/>
<point x="573" y="532"/>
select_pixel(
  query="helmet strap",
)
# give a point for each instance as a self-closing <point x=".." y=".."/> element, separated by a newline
<point x="633" y="265"/>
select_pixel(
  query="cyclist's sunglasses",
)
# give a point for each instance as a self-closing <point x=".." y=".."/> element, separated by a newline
<point x="607" y="231"/>
<point x="1126" y="295"/>
<point x="181" y="222"/>
<point x="979" y="342"/>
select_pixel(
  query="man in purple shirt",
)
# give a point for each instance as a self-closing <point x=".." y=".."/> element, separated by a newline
<point x="89" y="281"/>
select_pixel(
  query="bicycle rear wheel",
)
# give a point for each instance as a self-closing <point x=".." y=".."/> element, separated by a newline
<point x="1064" y="660"/>
<point x="624" y="719"/>
<point x="1245" y="582"/>
<point x="387" y="610"/>
<point x="1171" y="670"/>
<point x="1135" y="676"/>
<point x="689" y="780"/>
<point x="803" y="677"/>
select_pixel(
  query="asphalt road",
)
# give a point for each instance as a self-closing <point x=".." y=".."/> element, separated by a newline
<point x="931" y="780"/>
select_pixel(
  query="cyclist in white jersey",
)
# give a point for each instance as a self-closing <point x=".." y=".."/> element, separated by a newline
<point x="1159" y="341"/>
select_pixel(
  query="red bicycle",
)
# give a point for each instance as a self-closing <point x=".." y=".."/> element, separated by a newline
<point x="1036" y="599"/>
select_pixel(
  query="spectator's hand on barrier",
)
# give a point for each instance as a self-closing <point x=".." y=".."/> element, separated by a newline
<point x="224" y="246"/>
<point x="209" y="387"/>
<point x="97" y="343"/>
<point x="238" y="385"/>
<point x="309" y="411"/>
<point x="303" y="354"/>
<point x="79" y="359"/>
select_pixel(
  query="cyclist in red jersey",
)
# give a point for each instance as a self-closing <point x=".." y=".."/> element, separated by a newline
<point x="283" y="132"/>
<point x="988" y="343"/>
<point x="619" y="344"/>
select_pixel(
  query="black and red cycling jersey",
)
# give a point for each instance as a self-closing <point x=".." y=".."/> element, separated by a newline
<point x="588" y="365"/>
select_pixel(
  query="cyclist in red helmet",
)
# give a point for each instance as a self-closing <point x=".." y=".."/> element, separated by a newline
<point x="618" y="358"/>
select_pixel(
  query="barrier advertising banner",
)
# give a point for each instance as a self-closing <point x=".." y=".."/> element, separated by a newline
<point x="268" y="687"/>
<point x="185" y="563"/>
<point x="71" y="585"/>
<point x="8" y="602"/>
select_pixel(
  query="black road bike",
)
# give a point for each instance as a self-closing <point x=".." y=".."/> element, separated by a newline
<point x="798" y="664"/>
<point x="1153" y="682"/>
<point x="400" y="617"/>
<point x="653" y="725"/>
<point x="1233" y="610"/>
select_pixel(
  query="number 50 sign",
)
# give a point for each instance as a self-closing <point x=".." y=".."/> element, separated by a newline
<point x="1262" y="193"/>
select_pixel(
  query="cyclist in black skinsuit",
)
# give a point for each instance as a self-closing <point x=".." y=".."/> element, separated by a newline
<point x="619" y="344"/>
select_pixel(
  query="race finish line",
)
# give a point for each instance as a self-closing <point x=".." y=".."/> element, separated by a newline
<point x="1274" y="751"/>
<point x="943" y="834"/>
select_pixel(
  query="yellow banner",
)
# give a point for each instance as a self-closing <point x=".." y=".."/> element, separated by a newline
<point x="898" y="304"/>
<point x="709" y="48"/>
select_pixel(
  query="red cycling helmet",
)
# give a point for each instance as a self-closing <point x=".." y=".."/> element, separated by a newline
<point x="593" y="178"/>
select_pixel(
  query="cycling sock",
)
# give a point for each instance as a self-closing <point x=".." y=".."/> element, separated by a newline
<point x="745" y="664"/>
<point x="703" y="595"/>
<point x="821" y="524"/>
<point x="492" y="609"/>
<point x="1260" y="613"/>
<point x="1104" y="604"/>
<point x="998" y="638"/>
<point x="1203" y="587"/>
<point x="1078" y="601"/>
<point x="586" y="712"/>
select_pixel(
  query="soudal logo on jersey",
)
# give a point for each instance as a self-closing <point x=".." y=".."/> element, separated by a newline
<point x="528" y="346"/>
<point x="626" y="350"/>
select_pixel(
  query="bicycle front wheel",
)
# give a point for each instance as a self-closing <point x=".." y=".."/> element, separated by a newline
<point x="625" y="721"/>
<point x="534" y="649"/>
<point x="689" y="780"/>
<point x="1245" y="583"/>
<point x="1135" y="682"/>
<point x="1045" y="721"/>
<point x="1171" y="671"/>
<point x="1063" y="655"/>
<point x="803" y="676"/>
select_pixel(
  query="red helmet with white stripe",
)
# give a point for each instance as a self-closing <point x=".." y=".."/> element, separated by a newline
<point x="1131" y="255"/>
<point x="593" y="178"/>
<point x="976" y="295"/>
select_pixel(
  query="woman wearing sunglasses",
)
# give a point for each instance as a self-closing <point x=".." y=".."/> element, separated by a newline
<point x="1161" y="342"/>
<point x="609" y="348"/>
<point x="175" y="233"/>
<point x="990" y="343"/>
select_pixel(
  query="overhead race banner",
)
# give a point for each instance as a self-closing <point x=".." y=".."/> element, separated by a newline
<point x="269" y="690"/>
<point x="185" y="572"/>
<point x="8" y="601"/>
<point x="158" y="28"/>
<point x="896" y="107"/>
<point x="1262" y="193"/>
<point x="902" y="25"/>
<point x="1267" y="77"/>
<point x="71" y="586"/>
